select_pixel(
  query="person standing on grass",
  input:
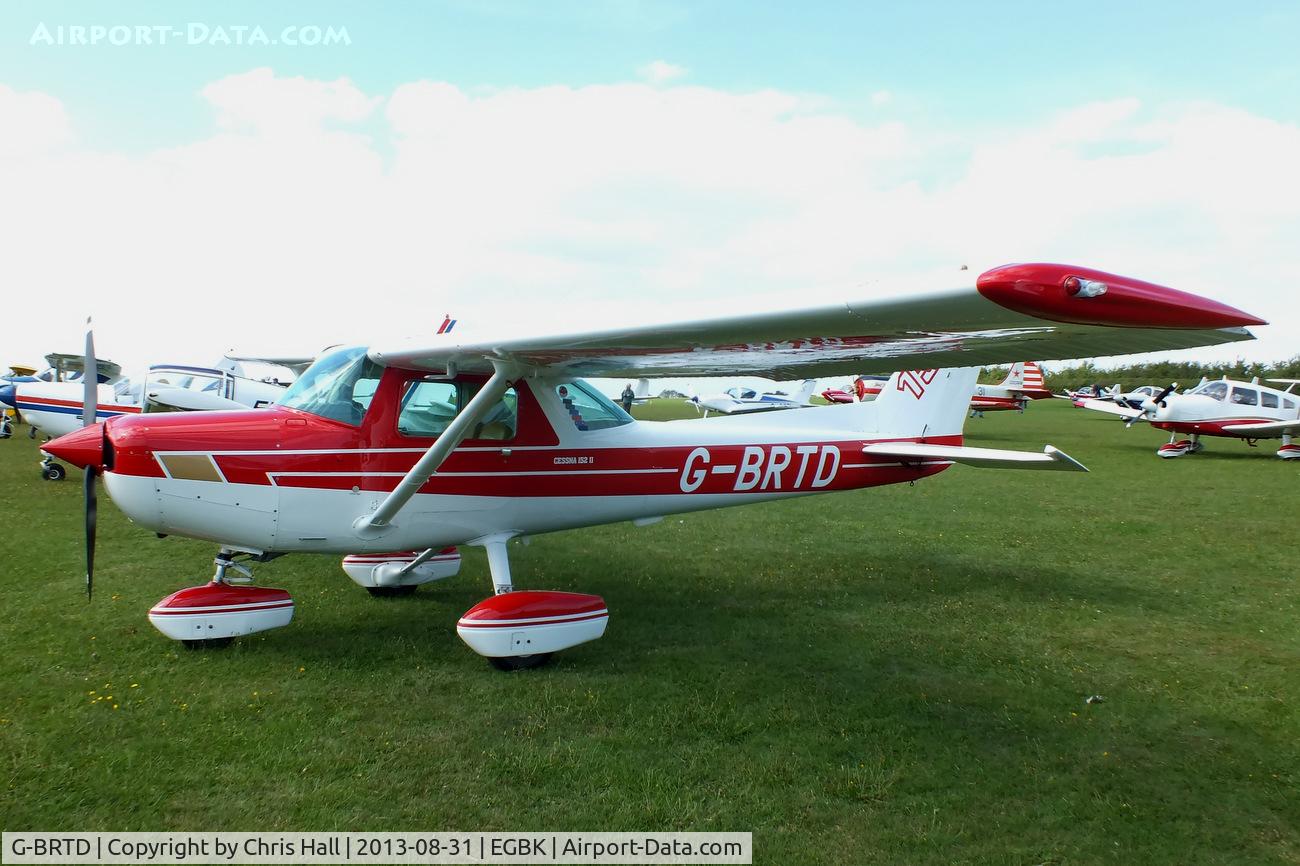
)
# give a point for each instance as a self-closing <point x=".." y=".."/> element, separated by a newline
<point x="628" y="396"/>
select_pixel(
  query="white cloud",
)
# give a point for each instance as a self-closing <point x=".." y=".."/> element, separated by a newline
<point x="881" y="98"/>
<point x="557" y="207"/>
<point x="31" y="123"/>
<point x="660" y="72"/>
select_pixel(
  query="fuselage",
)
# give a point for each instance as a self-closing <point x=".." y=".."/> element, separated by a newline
<point x="1212" y="406"/>
<point x="554" y="456"/>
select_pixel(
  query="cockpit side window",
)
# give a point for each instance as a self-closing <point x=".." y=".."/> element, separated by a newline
<point x="429" y="405"/>
<point x="338" y="386"/>
<point x="1245" y="396"/>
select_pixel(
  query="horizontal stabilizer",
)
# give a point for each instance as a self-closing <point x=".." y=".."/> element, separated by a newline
<point x="985" y="458"/>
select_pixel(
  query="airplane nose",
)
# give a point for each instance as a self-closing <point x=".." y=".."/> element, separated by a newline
<point x="81" y="448"/>
<point x="8" y="396"/>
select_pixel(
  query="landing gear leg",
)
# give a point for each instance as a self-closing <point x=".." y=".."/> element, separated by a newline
<point x="224" y="562"/>
<point x="52" y="471"/>
<point x="499" y="564"/>
<point x="1197" y="444"/>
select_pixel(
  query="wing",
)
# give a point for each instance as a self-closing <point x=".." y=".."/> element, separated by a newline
<point x="1265" y="429"/>
<point x="1012" y="313"/>
<point x="297" y="364"/>
<point x="1112" y="408"/>
<point x="107" y="370"/>
<point x="190" y="401"/>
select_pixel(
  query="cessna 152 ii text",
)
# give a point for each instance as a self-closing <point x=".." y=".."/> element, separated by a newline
<point x="1234" y="410"/>
<point x="394" y="454"/>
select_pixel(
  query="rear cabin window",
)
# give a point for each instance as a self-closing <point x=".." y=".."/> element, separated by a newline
<point x="1288" y="403"/>
<point x="588" y="408"/>
<point x="1268" y="400"/>
<point x="429" y="405"/>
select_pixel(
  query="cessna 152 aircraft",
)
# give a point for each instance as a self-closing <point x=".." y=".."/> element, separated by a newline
<point x="1236" y="410"/>
<point x="392" y="454"/>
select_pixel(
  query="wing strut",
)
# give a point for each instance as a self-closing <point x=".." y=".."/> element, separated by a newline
<point x="370" y="526"/>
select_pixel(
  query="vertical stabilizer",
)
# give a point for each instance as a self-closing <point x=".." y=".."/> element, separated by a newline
<point x="925" y="402"/>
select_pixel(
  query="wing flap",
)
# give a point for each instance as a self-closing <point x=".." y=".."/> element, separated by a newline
<point x="984" y="458"/>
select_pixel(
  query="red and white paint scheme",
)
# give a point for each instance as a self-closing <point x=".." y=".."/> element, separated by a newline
<point x="390" y="573"/>
<point x="478" y="437"/>
<point x="518" y="628"/>
<point x="1224" y="408"/>
<point x="220" y="611"/>
<point x="1024" y="382"/>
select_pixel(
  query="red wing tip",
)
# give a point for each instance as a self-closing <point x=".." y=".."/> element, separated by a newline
<point x="1085" y="296"/>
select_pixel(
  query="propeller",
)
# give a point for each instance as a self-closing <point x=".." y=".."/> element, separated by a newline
<point x="89" y="409"/>
<point x="1150" y="405"/>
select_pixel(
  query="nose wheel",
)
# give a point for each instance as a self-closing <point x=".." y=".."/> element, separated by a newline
<point x="52" y="471"/>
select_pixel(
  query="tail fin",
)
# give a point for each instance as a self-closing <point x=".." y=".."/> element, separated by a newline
<point x="804" y="394"/>
<point x="1015" y="376"/>
<point x="1032" y="377"/>
<point x="642" y="389"/>
<point x="924" y="402"/>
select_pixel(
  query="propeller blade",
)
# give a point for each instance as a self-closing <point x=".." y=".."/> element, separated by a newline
<point x="1160" y="398"/>
<point x="90" y="378"/>
<point x="92" y="514"/>
<point x="89" y="409"/>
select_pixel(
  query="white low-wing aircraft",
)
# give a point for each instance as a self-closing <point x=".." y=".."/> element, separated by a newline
<point x="395" y="453"/>
<point x="55" y="408"/>
<point x="1226" y="408"/>
<point x="743" y="401"/>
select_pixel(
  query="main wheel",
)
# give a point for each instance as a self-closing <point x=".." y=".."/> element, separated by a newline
<point x="519" y="663"/>
<point x="208" y="643"/>
<point x="391" y="591"/>
<point x="54" y="472"/>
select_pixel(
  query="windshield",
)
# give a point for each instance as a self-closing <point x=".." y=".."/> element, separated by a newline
<point x="1214" y="390"/>
<point x="339" y="386"/>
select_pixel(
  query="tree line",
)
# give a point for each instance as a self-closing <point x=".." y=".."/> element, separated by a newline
<point x="1185" y="373"/>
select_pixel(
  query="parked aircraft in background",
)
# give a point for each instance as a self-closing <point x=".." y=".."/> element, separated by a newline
<point x="1024" y="382"/>
<point x="1224" y="408"/>
<point x="743" y="401"/>
<point x="54" y="408"/>
<point x="482" y="437"/>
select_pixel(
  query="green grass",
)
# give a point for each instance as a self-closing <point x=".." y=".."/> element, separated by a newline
<point x="891" y="675"/>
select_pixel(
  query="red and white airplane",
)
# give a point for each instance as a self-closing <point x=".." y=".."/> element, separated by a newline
<point x="396" y="453"/>
<point x="1226" y="408"/>
<point x="1024" y="382"/>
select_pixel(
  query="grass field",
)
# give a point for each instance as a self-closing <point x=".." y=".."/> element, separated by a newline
<point x="892" y="675"/>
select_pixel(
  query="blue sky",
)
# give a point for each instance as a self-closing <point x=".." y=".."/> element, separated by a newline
<point x="532" y="157"/>
<point x="943" y="62"/>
